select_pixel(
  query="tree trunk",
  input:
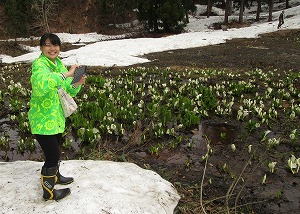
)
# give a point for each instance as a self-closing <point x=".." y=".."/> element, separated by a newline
<point x="209" y="7"/>
<point x="258" y="10"/>
<point x="227" y="11"/>
<point x="155" y="21"/>
<point x="241" y="16"/>
<point x="187" y="17"/>
<point x="271" y="4"/>
<point x="45" y="17"/>
<point x="287" y="4"/>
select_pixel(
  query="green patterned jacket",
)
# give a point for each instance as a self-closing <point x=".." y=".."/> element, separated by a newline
<point x="45" y="113"/>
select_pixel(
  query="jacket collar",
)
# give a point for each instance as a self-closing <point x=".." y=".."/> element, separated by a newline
<point x="53" y="66"/>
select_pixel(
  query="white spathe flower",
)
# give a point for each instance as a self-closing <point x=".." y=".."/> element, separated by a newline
<point x="122" y="129"/>
<point x="95" y="130"/>
<point x="273" y="142"/>
<point x="233" y="148"/>
<point x="141" y="103"/>
<point x="249" y="148"/>
<point x="113" y="127"/>
<point x="264" y="179"/>
<point x="293" y="134"/>
<point x="265" y="135"/>
<point x="25" y="124"/>
<point x="292" y="115"/>
<point x="272" y="166"/>
<point x="13" y="117"/>
<point x="108" y="129"/>
<point x="269" y="90"/>
<point x="294" y="164"/>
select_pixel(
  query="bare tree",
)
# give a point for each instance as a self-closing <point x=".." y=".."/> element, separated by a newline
<point x="287" y="4"/>
<point x="42" y="9"/>
<point x="271" y="5"/>
<point x="241" y="15"/>
<point x="227" y="10"/>
<point x="209" y="7"/>
<point x="258" y="10"/>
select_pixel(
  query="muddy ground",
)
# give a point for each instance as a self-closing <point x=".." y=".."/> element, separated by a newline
<point x="183" y="166"/>
<point x="278" y="50"/>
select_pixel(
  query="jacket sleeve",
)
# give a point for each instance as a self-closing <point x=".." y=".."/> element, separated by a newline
<point x="66" y="84"/>
<point x="69" y="87"/>
<point x="43" y="80"/>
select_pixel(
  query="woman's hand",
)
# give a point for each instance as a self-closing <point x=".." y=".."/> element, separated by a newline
<point x="71" y="71"/>
<point x="81" y="81"/>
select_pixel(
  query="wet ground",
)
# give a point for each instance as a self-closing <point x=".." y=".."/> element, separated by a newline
<point x="278" y="50"/>
<point x="184" y="165"/>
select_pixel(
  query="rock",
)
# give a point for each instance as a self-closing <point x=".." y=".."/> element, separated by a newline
<point x="224" y="27"/>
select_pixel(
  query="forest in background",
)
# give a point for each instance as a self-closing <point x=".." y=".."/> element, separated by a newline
<point x="24" y="18"/>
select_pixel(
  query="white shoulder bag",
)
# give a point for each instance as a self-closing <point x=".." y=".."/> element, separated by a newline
<point x="67" y="102"/>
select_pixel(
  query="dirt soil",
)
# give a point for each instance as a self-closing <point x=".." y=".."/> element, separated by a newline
<point x="273" y="50"/>
<point x="278" y="50"/>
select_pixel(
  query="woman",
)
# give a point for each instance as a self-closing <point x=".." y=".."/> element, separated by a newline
<point x="46" y="118"/>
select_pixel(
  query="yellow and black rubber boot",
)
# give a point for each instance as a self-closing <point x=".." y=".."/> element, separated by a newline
<point x="48" y="179"/>
<point x="61" y="179"/>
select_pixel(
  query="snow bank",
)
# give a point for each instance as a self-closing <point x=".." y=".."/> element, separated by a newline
<point x="99" y="187"/>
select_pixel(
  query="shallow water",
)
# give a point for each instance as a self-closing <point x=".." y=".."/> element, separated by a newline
<point x="185" y="162"/>
<point x="12" y="154"/>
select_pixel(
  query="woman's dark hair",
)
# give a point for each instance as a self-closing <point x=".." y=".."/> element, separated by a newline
<point x="54" y="39"/>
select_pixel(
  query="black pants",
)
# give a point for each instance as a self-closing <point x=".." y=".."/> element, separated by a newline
<point x="50" y="145"/>
<point x="280" y="23"/>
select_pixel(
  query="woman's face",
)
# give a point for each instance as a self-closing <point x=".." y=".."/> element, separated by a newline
<point x="50" y="51"/>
